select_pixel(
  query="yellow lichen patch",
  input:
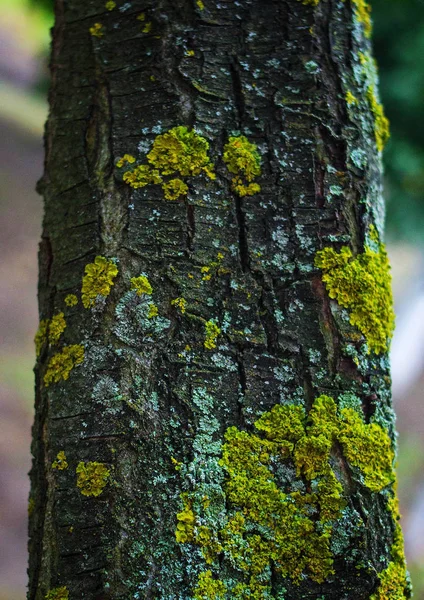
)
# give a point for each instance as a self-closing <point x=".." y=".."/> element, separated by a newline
<point x="59" y="593"/>
<point x="212" y="333"/>
<point x="141" y="285"/>
<point x="310" y="2"/>
<point x="147" y="27"/>
<point x="272" y="526"/>
<point x="110" y="5"/>
<point x="92" y="478"/>
<point x="185" y="527"/>
<point x="179" y="151"/>
<point x="381" y="124"/>
<point x="97" y="30"/>
<point x="127" y="159"/>
<point x="56" y="327"/>
<point x="41" y="336"/>
<point x="200" y="4"/>
<point x="61" y="364"/>
<point x="153" y="311"/>
<point x="363" y="14"/>
<point x="189" y="53"/>
<point x="351" y="100"/>
<point x="209" y="588"/>
<point x="242" y="160"/>
<point x="71" y="300"/>
<point x="141" y="176"/>
<point x="60" y="463"/>
<point x="98" y="280"/>
<point x="363" y="286"/>
<point x="174" y="188"/>
<point x="180" y="303"/>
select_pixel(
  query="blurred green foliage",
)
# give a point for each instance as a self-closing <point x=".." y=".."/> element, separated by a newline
<point x="399" y="49"/>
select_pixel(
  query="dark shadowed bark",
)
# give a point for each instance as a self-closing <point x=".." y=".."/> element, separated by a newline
<point x="213" y="412"/>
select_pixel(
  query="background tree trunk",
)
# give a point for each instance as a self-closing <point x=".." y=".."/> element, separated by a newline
<point x="139" y="487"/>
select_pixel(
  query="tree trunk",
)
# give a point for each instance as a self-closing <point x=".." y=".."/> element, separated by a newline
<point x="213" y="414"/>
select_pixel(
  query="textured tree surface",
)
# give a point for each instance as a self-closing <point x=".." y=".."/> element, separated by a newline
<point x="213" y="413"/>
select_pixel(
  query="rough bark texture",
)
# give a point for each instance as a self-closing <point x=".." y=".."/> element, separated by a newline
<point x="154" y="397"/>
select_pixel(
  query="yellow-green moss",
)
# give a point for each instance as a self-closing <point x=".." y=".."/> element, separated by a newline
<point x="110" y="5"/>
<point x="350" y="98"/>
<point x="59" y="593"/>
<point x="310" y="2"/>
<point x="368" y="447"/>
<point x="57" y="326"/>
<point x="97" y="30"/>
<point x="98" y="280"/>
<point x="212" y="333"/>
<point x="126" y="159"/>
<point x="179" y="151"/>
<point x="41" y="336"/>
<point x="71" y="300"/>
<point x="31" y="506"/>
<point x="269" y="528"/>
<point x="243" y="160"/>
<point x="60" y="463"/>
<point x="363" y="286"/>
<point x="209" y="588"/>
<point x="141" y="285"/>
<point x="92" y="478"/>
<point x="200" y="4"/>
<point x="381" y="123"/>
<point x="394" y="581"/>
<point x="363" y="14"/>
<point x="61" y="364"/>
<point x="153" y="311"/>
<point x="180" y="303"/>
<point x="185" y="526"/>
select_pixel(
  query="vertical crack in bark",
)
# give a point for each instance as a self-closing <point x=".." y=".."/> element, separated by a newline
<point x="237" y="90"/>
<point x="191" y="227"/>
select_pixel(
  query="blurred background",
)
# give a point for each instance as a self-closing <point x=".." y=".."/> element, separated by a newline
<point x="24" y="47"/>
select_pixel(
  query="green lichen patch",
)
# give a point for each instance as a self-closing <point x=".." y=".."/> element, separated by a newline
<point x="363" y="286"/>
<point x="40" y="338"/>
<point x="92" y="478"/>
<point x="141" y="285"/>
<point x="273" y="521"/>
<point x="60" y="463"/>
<point x="61" y="364"/>
<point x="243" y="160"/>
<point x="179" y="152"/>
<point x="212" y="332"/>
<point x="98" y="280"/>
<point x="57" y="326"/>
<point x="59" y="593"/>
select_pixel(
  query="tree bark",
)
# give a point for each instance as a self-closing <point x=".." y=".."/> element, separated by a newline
<point x="213" y="413"/>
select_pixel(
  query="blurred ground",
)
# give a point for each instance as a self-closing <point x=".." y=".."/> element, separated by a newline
<point x="21" y="157"/>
